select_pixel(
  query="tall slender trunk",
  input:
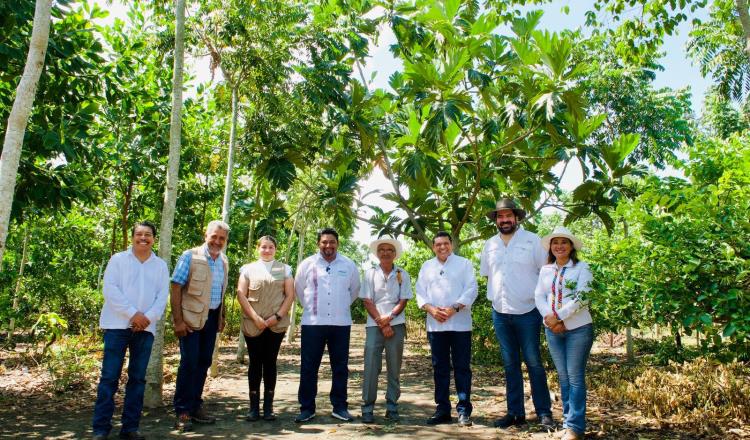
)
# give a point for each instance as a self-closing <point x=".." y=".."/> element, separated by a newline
<point x="127" y="197"/>
<point x="19" y="115"/>
<point x="19" y="282"/>
<point x="292" y="330"/>
<point x="155" y="372"/>
<point x="113" y="242"/>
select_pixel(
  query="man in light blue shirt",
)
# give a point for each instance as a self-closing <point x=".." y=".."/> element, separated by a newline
<point x="136" y="287"/>
<point x="446" y="289"/>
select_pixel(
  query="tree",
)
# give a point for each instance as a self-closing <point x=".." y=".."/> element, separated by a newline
<point x="155" y="375"/>
<point x="13" y="142"/>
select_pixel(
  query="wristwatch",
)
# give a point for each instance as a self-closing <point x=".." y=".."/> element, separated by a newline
<point x="456" y="307"/>
<point x="278" y="317"/>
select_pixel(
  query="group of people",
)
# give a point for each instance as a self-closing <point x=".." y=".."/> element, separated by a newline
<point x="532" y="283"/>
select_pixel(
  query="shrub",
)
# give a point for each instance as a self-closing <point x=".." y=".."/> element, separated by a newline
<point x="71" y="365"/>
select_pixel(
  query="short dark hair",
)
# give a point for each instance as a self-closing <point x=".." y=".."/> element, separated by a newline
<point x="573" y="254"/>
<point x="268" y="238"/>
<point x="146" y="224"/>
<point x="328" y="231"/>
<point x="442" y="234"/>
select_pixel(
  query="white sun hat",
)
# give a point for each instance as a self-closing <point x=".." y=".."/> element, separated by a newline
<point x="386" y="240"/>
<point x="562" y="231"/>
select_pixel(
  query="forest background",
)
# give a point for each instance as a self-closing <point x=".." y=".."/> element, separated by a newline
<point x="482" y="102"/>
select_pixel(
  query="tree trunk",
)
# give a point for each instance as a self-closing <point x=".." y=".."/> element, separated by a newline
<point x="292" y="330"/>
<point x="19" y="282"/>
<point x="19" y="115"/>
<point x="742" y="11"/>
<point x="226" y="205"/>
<point x="125" y="210"/>
<point x="155" y="372"/>
<point x="629" y="344"/>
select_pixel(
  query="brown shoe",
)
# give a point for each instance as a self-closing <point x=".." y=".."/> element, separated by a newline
<point x="202" y="417"/>
<point x="572" y="435"/>
<point x="183" y="422"/>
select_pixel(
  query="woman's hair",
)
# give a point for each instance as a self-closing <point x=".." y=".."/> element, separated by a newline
<point x="573" y="253"/>
<point x="268" y="238"/>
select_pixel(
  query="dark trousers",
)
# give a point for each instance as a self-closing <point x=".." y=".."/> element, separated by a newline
<point x="196" y="349"/>
<point x="116" y="341"/>
<point x="519" y="335"/>
<point x="315" y="338"/>
<point x="451" y="349"/>
<point x="263" y="350"/>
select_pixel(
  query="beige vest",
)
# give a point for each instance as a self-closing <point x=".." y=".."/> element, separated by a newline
<point x="265" y="293"/>
<point x="196" y="293"/>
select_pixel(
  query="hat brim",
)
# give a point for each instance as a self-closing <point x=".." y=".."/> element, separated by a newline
<point x="547" y="239"/>
<point x="393" y="242"/>
<point x="520" y="213"/>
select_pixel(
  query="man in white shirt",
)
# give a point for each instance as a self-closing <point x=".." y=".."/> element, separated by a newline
<point x="136" y="287"/>
<point x="446" y="289"/>
<point x="511" y="261"/>
<point x="326" y="285"/>
<point x="385" y="291"/>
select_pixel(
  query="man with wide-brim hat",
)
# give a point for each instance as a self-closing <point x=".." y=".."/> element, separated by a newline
<point x="385" y="290"/>
<point x="511" y="261"/>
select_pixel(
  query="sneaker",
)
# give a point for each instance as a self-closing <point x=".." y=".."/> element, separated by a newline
<point x="464" y="420"/>
<point x="202" y="417"/>
<point x="132" y="435"/>
<point x="546" y="421"/>
<point x="183" y="423"/>
<point x="439" y="419"/>
<point x="572" y="435"/>
<point x="509" y="420"/>
<point x="367" y="417"/>
<point x="392" y="415"/>
<point x="304" y="416"/>
<point x="342" y="415"/>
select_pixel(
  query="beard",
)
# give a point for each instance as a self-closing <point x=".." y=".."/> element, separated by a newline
<point x="507" y="227"/>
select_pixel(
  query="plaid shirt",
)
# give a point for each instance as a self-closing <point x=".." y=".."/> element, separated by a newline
<point x="182" y="270"/>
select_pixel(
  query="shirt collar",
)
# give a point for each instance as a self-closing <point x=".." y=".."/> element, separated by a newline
<point x="392" y="272"/>
<point x="130" y="251"/>
<point x="324" y="261"/>
<point x="208" y="255"/>
<point x="447" y="259"/>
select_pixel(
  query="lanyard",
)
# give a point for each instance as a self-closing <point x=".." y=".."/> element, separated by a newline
<point x="557" y="291"/>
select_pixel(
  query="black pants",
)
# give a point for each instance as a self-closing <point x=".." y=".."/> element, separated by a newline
<point x="263" y="351"/>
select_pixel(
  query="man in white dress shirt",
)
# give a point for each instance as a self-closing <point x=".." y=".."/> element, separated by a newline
<point x="446" y="289"/>
<point x="385" y="291"/>
<point x="511" y="261"/>
<point x="136" y="288"/>
<point x="326" y="285"/>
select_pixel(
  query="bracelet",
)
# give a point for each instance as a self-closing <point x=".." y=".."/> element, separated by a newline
<point x="278" y="317"/>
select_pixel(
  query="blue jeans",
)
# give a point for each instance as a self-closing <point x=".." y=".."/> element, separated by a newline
<point x="315" y="338"/>
<point x="116" y="341"/>
<point x="196" y="350"/>
<point x="570" y="351"/>
<point x="520" y="333"/>
<point x="451" y="349"/>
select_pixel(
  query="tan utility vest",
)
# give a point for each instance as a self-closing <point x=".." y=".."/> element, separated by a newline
<point x="265" y="293"/>
<point x="196" y="293"/>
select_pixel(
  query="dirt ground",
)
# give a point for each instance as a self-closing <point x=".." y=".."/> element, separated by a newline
<point x="28" y="411"/>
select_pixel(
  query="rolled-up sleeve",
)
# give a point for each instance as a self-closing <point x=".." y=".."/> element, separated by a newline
<point x="182" y="268"/>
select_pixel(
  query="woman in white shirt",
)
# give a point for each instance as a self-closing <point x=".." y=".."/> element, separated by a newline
<point x="265" y="292"/>
<point x="568" y="324"/>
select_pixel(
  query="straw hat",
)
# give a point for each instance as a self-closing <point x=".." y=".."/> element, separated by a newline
<point x="506" y="204"/>
<point x="562" y="231"/>
<point x="386" y="240"/>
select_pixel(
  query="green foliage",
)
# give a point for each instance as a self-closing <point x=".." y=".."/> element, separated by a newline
<point x="51" y="327"/>
<point x="70" y="364"/>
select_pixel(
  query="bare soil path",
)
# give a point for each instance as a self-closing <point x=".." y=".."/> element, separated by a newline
<point x="26" y="412"/>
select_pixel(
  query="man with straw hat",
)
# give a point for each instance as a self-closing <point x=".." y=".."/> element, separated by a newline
<point x="385" y="290"/>
<point x="511" y="261"/>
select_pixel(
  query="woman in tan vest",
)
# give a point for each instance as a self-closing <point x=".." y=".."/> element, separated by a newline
<point x="265" y="292"/>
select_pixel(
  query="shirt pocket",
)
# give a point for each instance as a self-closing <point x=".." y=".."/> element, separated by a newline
<point x="253" y="289"/>
<point x="199" y="274"/>
<point x="522" y="254"/>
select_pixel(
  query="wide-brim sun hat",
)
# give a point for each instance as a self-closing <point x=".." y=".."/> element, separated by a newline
<point x="506" y="204"/>
<point x="387" y="240"/>
<point x="562" y="231"/>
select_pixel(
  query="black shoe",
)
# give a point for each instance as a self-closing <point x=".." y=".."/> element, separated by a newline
<point x="202" y="417"/>
<point x="392" y="416"/>
<point x="268" y="414"/>
<point x="509" y="420"/>
<point x="546" y="421"/>
<point x="304" y="416"/>
<point x="253" y="415"/>
<point x="132" y="435"/>
<point x="183" y="423"/>
<point x="368" y="417"/>
<point x="100" y="437"/>
<point x="342" y="415"/>
<point x="439" y="418"/>
<point x="464" y="420"/>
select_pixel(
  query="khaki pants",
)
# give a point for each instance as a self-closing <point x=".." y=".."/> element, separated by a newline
<point x="375" y="343"/>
